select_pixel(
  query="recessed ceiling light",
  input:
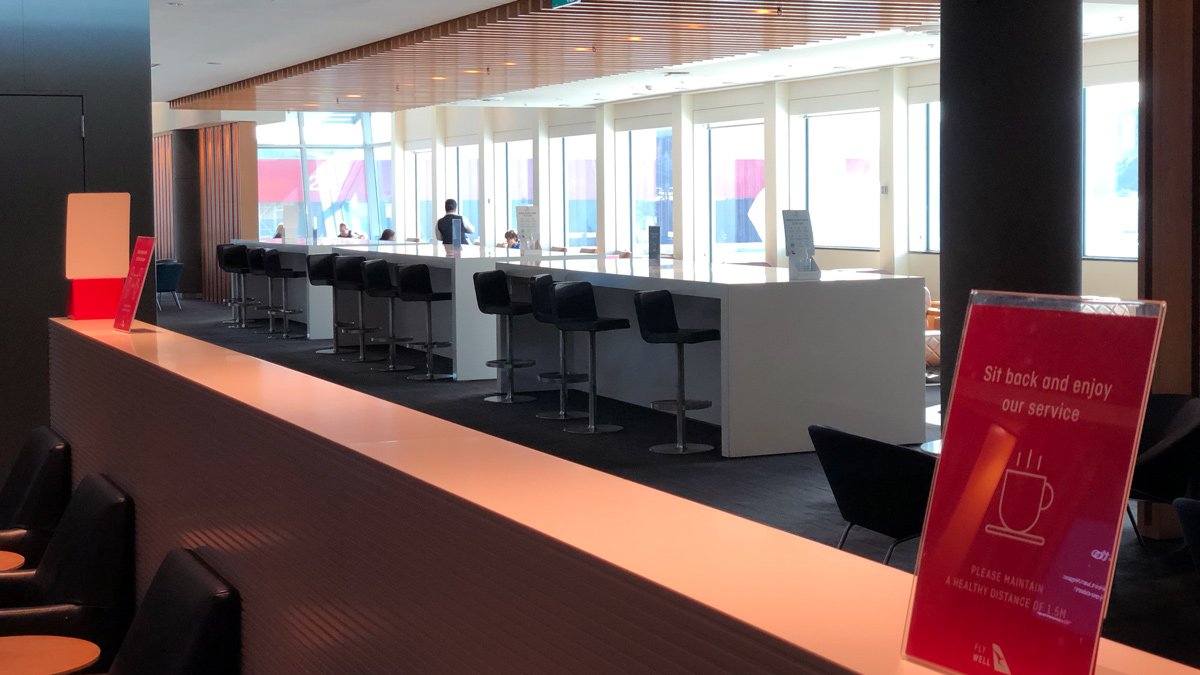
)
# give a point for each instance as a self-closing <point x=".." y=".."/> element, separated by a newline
<point x="765" y="12"/>
<point x="634" y="38"/>
<point x="311" y="105"/>
<point x="437" y="77"/>
<point x="509" y="63"/>
<point x="581" y="49"/>
<point x="473" y="71"/>
<point x="353" y="95"/>
<point x="693" y="26"/>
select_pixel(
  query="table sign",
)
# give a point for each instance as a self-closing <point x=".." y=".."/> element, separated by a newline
<point x="654" y="232"/>
<point x="1023" y="524"/>
<point x="131" y="293"/>
<point x="529" y="230"/>
<point x="798" y="240"/>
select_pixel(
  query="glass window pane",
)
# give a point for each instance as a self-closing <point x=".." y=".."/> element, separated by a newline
<point x="280" y="192"/>
<point x="337" y="190"/>
<point x="558" y="197"/>
<point x="1111" y="171"/>
<point x="385" y="189"/>
<point x="332" y="128"/>
<point x="737" y="200"/>
<point x="467" y="184"/>
<point x="572" y="191"/>
<point x="381" y="127"/>
<point x="422" y="196"/>
<point x="514" y="170"/>
<point x="843" y="183"/>
<point x="924" y="177"/>
<point x="286" y="132"/>
<point x="649" y="191"/>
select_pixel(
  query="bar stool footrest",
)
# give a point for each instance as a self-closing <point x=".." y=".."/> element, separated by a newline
<point x="555" y="377"/>
<point x="427" y="345"/>
<point x="671" y="405"/>
<point x="384" y="340"/>
<point x="685" y="449"/>
<point x="358" y="331"/>
<point x="279" y="311"/>
<point x="515" y="363"/>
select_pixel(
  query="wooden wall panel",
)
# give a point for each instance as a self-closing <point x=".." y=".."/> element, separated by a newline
<point x="164" y="190"/>
<point x="220" y="195"/>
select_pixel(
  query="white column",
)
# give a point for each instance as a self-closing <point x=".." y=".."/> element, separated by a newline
<point x="893" y="165"/>
<point x="487" y="177"/>
<point x="777" y="144"/>
<point x="690" y="242"/>
<point x="606" y="180"/>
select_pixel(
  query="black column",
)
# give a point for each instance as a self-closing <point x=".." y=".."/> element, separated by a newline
<point x="185" y="206"/>
<point x="1012" y="107"/>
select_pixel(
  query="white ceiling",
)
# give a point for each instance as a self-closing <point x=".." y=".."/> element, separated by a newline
<point x="201" y="44"/>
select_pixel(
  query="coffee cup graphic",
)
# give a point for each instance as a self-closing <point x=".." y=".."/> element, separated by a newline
<point x="1023" y="497"/>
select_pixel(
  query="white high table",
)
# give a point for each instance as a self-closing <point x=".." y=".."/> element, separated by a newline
<point x="845" y="350"/>
<point x="473" y="335"/>
<point x="316" y="302"/>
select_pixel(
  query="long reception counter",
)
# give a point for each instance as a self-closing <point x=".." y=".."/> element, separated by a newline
<point x="367" y="537"/>
<point x="843" y="350"/>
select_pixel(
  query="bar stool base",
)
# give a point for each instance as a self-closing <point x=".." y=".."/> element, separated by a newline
<point x="365" y="359"/>
<point x="565" y="415"/>
<point x="597" y="429"/>
<point x="515" y="398"/>
<point x="336" y="350"/>
<point x="280" y="335"/>
<point x="432" y="377"/>
<point x="394" y="369"/>
<point x="685" y="449"/>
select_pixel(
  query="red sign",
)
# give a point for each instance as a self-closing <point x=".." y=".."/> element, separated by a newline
<point x="131" y="292"/>
<point x="1025" y="517"/>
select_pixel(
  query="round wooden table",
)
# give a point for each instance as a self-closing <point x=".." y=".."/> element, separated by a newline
<point x="10" y="561"/>
<point x="45" y="654"/>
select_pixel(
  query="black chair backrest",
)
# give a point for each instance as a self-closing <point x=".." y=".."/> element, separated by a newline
<point x="491" y="290"/>
<point x="189" y="623"/>
<point x="88" y="561"/>
<point x="236" y="258"/>
<point x="876" y="485"/>
<point x="574" y="301"/>
<point x="320" y="268"/>
<point x="414" y="281"/>
<point x="655" y="313"/>
<point x="1189" y="519"/>
<point x="377" y="276"/>
<point x="255" y="256"/>
<point x="272" y="264"/>
<point x="1168" y="458"/>
<point x="36" y="491"/>
<point x="221" y="248"/>
<point x="347" y="269"/>
<point x="167" y="276"/>
<point x="541" y="295"/>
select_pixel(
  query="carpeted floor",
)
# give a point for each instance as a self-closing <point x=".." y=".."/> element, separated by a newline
<point x="1155" y="603"/>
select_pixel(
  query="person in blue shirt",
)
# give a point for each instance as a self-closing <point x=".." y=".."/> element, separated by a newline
<point x="511" y="240"/>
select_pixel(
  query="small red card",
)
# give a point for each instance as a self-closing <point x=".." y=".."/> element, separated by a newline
<point x="131" y="293"/>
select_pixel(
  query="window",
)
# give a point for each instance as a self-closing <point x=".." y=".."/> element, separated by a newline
<point x="316" y="170"/>
<point x="1110" y="162"/>
<point x="422" y="201"/>
<point x="644" y="190"/>
<point x="572" y="192"/>
<point x="837" y="178"/>
<point x="736" y="190"/>
<point x="514" y="185"/>
<point x="462" y="180"/>
<point x="924" y="177"/>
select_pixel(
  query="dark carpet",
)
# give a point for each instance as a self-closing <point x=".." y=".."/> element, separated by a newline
<point x="1155" y="603"/>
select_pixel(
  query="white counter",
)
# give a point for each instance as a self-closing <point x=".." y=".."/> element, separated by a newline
<point x="844" y="350"/>
<point x="316" y="302"/>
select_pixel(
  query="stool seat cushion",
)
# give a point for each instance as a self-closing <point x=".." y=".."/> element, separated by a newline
<point x="600" y="323"/>
<point x="511" y="309"/>
<point x="687" y="336"/>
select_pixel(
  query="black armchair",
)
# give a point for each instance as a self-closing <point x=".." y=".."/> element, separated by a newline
<point x="83" y="586"/>
<point x="35" y="494"/>
<point x="1168" y="454"/>
<point x="1189" y="520"/>
<point x="878" y="486"/>
<point x="189" y="623"/>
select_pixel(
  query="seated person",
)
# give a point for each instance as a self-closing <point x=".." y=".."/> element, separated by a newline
<point x="452" y="229"/>
<point x="511" y="240"/>
<point x="387" y="235"/>
<point x="346" y="233"/>
<point x="279" y="233"/>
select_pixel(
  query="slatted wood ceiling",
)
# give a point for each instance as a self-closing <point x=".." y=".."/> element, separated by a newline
<point x="526" y="44"/>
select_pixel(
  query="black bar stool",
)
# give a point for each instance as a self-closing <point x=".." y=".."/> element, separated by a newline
<point x="656" y="321"/>
<point x="348" y="276"/>
<point x="275" y="270"/>
<point x="236" y="261"/>
<point x="221" y="263"/>
<point x="378" y="283"/>
<point x="575" y="308"/>
<point x="320" y="273"/>
<point x="417" y="286"/>
<point x="258" y="268"/>
<point x="541" y="292"/>
<point x="491" y="293"/>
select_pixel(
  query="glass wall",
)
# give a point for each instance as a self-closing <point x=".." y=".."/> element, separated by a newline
<point x="514" y="186"/>
<point x="421" y="199"/>
<point x="736" y="184"/>
<point x="462" y="181"/>
<point x="644" y="190"/>
<point x="839" y="177"/>
<point x="572" y="192"/>
<point x="1110" y="177"/>
<point x="316" y="170"/>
